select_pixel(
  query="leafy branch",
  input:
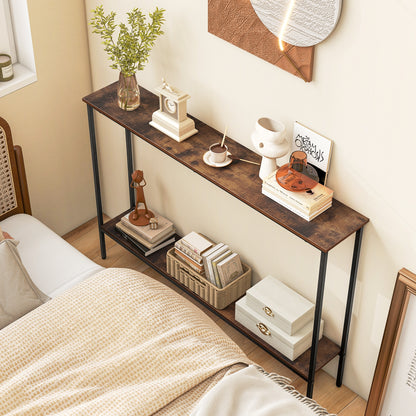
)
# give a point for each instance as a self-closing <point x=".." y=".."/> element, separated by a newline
<point x="130" y="52"/>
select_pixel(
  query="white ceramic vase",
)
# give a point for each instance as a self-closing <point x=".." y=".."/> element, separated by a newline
<point x="269" y="139"/>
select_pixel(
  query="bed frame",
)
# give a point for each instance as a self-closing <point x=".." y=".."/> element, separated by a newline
<point x="14" y="193"/>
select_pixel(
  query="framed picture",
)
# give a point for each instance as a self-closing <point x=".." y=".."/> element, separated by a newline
<point x="393" y="391"/>
<point x="318" y="149"/>
<point x="236" y="22"/>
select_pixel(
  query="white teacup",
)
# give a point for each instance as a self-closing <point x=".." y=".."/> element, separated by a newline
<point x="218" y="154"/>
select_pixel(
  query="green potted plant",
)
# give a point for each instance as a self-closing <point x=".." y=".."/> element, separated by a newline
<point x="128" y="47"/>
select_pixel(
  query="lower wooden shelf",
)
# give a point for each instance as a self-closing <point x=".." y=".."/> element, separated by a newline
<point x="327" y="349"/>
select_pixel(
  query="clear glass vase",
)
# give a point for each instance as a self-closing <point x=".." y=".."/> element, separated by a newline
<point x="128" y="92"/>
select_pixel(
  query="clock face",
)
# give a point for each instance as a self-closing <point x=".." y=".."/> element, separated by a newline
<point x="170" y="106"/>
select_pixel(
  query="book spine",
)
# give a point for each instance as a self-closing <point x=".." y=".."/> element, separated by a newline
<point x="209" y="272"/>
<point x="185" y="249"/>
<point x="208" y="253"/>
<point x="307" y="210"/>
<point x="205" y="265"/>
<point x="285" y="204"/>
<point x="294" y="202"/>
<point x="289" y="197"/>
<point x="229" y="269"/>
<point x="197" y="266"/>
<point x="140" y="231"/>
<point x="160" y="246"/>
<point x="134" y="237"/>
<point x="188" y="263"/>
<point x="143" y="248"/>
<point x="190" y="247"/>
<point x="307" y="217"/>
<point x="215" y="263"/>
<point x="217" y="277"/>
<point x="320" y="194"/>
<point x="320" y="211"/>
<point x="132" y="227"/>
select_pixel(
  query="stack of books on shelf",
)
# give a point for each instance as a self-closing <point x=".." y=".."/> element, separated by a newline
<point x="216" y="262"/>
<point x="307" y="204"/>
<point x="279" y="315"/>
<point x="146" y="239"/>
<point x="190" y="249"/>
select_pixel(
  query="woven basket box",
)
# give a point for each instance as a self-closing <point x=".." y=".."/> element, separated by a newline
<point x="218" y="298"/>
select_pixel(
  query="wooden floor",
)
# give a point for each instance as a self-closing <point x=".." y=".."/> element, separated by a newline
<point x="338" y="400"/>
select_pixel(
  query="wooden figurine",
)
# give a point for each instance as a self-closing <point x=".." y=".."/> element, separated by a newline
<point x="139" y="216"/>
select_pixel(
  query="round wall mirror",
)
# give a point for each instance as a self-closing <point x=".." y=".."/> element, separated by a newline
<point x="299" y="22"/>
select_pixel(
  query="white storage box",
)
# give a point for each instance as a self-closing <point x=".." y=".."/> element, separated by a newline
<point x="292" y="346"/>
<point x="279" y="305"/>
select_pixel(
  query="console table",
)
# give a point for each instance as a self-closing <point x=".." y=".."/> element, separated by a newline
<point x="240" y="180"/>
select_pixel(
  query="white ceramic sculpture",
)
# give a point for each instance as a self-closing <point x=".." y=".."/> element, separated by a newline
<point x="269" y="139"/>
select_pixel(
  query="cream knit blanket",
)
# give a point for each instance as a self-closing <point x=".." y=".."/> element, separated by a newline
<point x="119" y="343"/>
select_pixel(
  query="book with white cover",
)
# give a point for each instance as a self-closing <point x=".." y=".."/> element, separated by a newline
<point x="205" y="254"/>
<point x="190" y="253"/>
<point x="126" y="230"/>
<point x="294" y="204"/>
<point x="215" y="262"/>
<point x="189" y="261"/>
<point x="144" y="231"/>
<point x="196" y="242"/>
<point x="144" y="249"/>
<point x="307" y="217"/>
<point x="229" y="269"/>
<point x="209" y="271"/>
<point x="280" y="305"/>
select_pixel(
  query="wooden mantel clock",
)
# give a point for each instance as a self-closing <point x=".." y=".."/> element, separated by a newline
<point x="171" y="118"/>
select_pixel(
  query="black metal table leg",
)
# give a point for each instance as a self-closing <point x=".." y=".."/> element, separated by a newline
<point x="348" y="308"/>
<point x="96" y="179"/>
<point x="129" y="164"/>
<point x="317" y="322"/>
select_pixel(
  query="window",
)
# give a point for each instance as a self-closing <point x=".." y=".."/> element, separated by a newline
<point x="6" y="31"/>
<point x="16" y="43"/>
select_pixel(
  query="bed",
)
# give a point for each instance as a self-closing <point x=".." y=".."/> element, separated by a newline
<point x="114" y="341"/>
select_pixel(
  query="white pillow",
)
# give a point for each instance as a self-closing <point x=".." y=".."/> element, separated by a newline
<point x="18" y="294"/>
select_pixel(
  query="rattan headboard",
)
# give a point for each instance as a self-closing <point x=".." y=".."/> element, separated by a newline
<point x="14" y="195"/>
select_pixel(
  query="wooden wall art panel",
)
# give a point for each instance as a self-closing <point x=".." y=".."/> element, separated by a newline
<point x="236" y="22"/>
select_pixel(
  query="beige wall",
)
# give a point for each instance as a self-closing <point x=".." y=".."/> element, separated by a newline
<point x="48" y="118"/>
<point x="362" y="97"/>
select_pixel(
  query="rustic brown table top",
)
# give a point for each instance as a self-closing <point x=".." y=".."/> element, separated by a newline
<point x="239" y="179"/>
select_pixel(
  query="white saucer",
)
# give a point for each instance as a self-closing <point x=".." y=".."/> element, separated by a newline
<point x="207" y="160"/>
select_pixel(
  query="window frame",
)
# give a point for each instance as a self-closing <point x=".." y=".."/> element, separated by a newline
<point x="7" y="43"/>
<point x="14" y="14"/>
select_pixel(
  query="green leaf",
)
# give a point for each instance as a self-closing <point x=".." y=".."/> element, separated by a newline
<point x="131" y="50"/>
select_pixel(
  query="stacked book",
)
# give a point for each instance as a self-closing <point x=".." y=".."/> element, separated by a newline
<point x="307" y="204"/>
<point x="145" y="238"/>
<point x="216" y="262"/>
<point x="190" y="249"/>
<point x="278" y="315"/>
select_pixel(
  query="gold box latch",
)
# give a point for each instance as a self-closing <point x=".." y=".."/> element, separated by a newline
<point x="263" y="329"/>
